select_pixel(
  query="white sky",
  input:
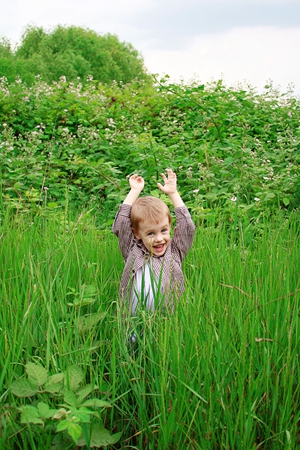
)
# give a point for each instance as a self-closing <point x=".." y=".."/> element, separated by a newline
<point x="237" y="40"/>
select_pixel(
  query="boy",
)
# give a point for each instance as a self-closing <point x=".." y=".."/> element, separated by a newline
<point x="152" y="258"/>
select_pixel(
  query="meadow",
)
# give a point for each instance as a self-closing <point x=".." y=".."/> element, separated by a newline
<point x="222" y="372"/>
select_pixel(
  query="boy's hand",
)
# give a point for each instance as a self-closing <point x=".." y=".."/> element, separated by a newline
<point x="170" y="186"/>
<point x="137" y="182"/>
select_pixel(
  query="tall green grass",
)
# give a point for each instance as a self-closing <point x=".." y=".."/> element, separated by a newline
<point x="222" y="372"/>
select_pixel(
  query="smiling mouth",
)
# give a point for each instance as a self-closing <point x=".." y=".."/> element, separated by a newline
<point x="159" y="248"/>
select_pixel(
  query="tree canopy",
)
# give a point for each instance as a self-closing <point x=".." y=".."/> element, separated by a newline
<point x="73" y="52"/>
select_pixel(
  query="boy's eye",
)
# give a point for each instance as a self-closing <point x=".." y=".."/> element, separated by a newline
<point x="150" y="234"/>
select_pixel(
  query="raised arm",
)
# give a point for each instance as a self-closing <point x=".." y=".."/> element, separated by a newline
<point x="137" y="184"/>
<point x="185" y="228"/>
<point x="170" y="188"/>
<point x="122" y="223"/>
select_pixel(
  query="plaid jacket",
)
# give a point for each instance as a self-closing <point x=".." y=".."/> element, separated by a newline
<point x="168" y="267"/>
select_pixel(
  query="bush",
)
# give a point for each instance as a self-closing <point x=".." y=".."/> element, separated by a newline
<point x="233" y="150"/>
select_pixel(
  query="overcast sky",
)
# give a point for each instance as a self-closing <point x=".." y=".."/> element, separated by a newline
<point x="237" y="40"/>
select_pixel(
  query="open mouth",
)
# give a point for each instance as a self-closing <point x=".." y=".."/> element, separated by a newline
<point x="159" y="248"/>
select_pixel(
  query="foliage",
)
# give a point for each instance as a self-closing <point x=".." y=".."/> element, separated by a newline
<point x="233" y="150"/>
<point x="221" y="372"/>
<point x="39" y="321"/>
<point x="73" y="52"/>
<point x="73" y="415"/>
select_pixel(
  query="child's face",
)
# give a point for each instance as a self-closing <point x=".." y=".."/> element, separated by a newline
<point x="155" y="236"/>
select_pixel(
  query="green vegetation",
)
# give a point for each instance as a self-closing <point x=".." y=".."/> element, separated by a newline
<point x="72" y="51"/>
<point x="74" y="414"/>
<point x="222" y="372"/>
<point x="234" y="151"/>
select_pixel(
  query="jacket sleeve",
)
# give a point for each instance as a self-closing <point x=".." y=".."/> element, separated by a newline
<point x="184" y="231"/>
<point x="122" y="229"/>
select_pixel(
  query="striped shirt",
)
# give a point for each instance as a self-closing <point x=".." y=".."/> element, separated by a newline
<point x="167" y="268"/>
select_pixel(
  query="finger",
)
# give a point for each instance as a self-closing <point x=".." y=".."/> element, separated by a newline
<point x="164" y="176"/>
<point x="171" y="174"/>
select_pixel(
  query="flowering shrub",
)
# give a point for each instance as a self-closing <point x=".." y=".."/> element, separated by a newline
<point x="65" y="144"/>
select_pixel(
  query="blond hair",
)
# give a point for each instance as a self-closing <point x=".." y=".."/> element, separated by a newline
<point x="150" y="209"/>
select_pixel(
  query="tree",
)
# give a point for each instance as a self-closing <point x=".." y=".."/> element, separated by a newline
<point x="76" y="52"/>
<point x="7" y="63"/>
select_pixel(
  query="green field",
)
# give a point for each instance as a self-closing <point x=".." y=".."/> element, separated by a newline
<point x="221" y="373"/>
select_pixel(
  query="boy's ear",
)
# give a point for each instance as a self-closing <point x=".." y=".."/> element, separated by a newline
<point x="136" y="234"/>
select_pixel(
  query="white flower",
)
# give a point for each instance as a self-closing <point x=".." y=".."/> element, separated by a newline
<point x="233" y="199"/>
<point x="256" y="199"/>
<point x="111" y="122"/>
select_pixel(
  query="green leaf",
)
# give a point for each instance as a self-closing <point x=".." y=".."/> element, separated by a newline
<point x="85" y="323"/>
<point x="96" y="403"/>
<point x="286" y="201"/>
<point x="62" y="412"/>
<point x="84" y="392"/>
<point x="90" y="290"/>
<point x="74" y="377"/>
<point x="36" y="373"/>
<point x="269" y="196"/>
<point x="100" y="437"/>
<point x="44" y="410"/>
<point x="84" y="301"/>
<point x="74" y="429"/>
<point x="52" y="205"/>
<point x="53" y="388"/>
<point x="30" y="414"/>
<point x="63" y="425"/>
<point x="54" y="383"/>
<point x="82" y="414"/>
<point x="70" y="398"/>
<point x="57" y="378"/>
<point x="228" y="161"/>
<point x="24" y="388"/>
